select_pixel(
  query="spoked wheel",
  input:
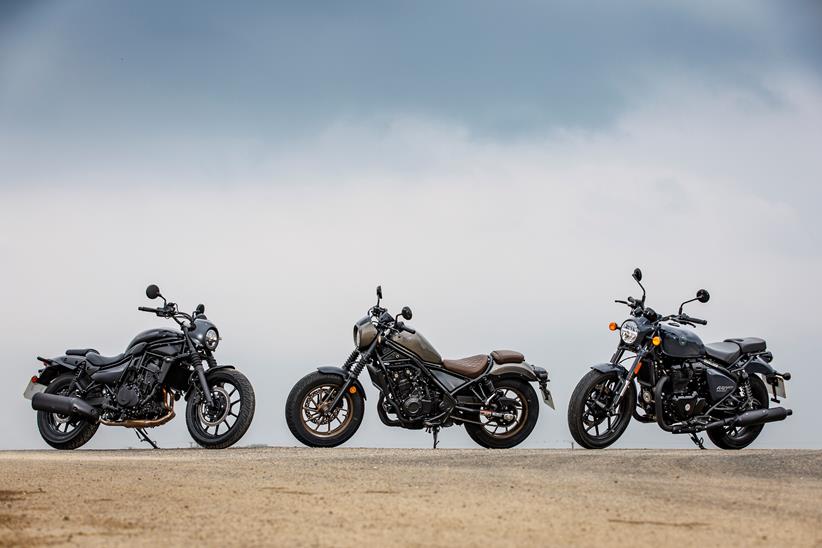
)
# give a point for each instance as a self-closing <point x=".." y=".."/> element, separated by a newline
<point x="61" y="431"/>
<point x="739" y="437"/>
<point x="222" y="423"/>
<point x="593" y="424"/>
<point x="509" y="419"/>
<point x="309" y="417"/>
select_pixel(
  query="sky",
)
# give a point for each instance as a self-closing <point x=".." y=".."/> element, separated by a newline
<point x="499" y="167"/>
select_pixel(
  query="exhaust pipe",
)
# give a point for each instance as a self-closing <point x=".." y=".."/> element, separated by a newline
<point x="755" y="417"/>
<point x="64" y="405"/>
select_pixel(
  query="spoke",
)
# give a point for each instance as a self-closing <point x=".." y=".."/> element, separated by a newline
<point x="596" y="427"/>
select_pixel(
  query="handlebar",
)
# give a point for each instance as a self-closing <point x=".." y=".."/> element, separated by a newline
<point x="402" y="327"/>
<point x="691" y="319"/>
<point x="149" y="309"/>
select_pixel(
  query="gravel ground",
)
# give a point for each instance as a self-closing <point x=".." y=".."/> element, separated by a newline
<point x="378" y="497"/>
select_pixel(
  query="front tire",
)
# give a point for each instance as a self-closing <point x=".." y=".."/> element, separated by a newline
<point x="523" y="403"/>
<point x="232" y="410"/>
<point x="735" y="438"/>
<point x="309" y="422"/>
<point x="59" y="431"/>
<point x="592" y="425"/>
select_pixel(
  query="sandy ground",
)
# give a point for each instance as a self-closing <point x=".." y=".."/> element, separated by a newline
<point x="378" y="497"/>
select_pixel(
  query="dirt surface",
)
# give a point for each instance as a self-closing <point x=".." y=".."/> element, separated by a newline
<point x="378" y="497"/>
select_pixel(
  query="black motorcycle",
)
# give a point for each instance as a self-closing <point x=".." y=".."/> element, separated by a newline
<point x="678" y="382"/>
<point x="489" y="394"/>
<point x="75" y="393"/>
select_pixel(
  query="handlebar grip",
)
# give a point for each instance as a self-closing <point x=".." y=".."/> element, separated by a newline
<point x="700" y="322"/>
<point x="402" y="327"/>
<point x="146" y="309"/>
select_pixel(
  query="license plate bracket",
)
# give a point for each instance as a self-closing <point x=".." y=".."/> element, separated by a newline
<point x="33" y="388"/>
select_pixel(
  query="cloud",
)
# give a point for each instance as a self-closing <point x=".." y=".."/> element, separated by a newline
<point x="517" y="243"/>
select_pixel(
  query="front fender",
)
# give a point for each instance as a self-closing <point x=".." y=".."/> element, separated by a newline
<point x="611" y="368"/>
<point x="208" y="372"/>
<point x="343" y="374"/>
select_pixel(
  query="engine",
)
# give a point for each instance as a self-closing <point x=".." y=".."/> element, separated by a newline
<point x="139" y="394"/>
<point x="413" y="394"/>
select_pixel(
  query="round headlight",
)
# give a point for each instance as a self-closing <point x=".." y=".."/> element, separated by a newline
<point x="211" y="339"/>
<point x="357" y="335"/>
<point x="629" y="332"/>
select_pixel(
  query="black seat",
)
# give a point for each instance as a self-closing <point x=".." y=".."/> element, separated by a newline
<point x="725" y="352"/>
<point x="98" y="361"/>
<point x="749" y="345"/>
<point x="80" y="351"/>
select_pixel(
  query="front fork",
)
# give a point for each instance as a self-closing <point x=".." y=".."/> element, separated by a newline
<point x="353" y="367"/>
<point x="632" y="373"/>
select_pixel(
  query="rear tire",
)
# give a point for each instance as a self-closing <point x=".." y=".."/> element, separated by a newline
<point x="529" y="406"/>
<point x="78" y="432"/>
<point x="724" y="438"/>
<point x="581" y="418"/>
<point x="305" y="419"/>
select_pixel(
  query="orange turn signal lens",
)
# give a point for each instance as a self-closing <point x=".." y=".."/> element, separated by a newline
<point x="656" y="340"/>
<point x="613" y="326"/>
<point x="353" y="389"/>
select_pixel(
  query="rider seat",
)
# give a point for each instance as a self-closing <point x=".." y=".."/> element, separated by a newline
<point x="99" y="361"/>
<point x="507" y="356"/>
<point x="725" y="352"/>
<point x="80" y="351"/>
<point x="750" y="345"/>
<point x="471" y="367"/>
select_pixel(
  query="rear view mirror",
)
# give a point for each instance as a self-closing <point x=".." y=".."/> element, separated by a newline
<point x="379" y="292"/>
<point x="703" y="296"/>
<point x="406" y="313"/>
<point x="637" y="274"/>
<point x="200" y="309"/>
<point x="152" y="291"/>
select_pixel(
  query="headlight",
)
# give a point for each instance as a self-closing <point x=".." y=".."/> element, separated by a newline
<point x="357" y="336"/>
<point x="629" y="332"/>
<point x="211" y="339"/>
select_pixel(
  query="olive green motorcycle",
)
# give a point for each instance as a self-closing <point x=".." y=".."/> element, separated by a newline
<point x="490" y="394"/>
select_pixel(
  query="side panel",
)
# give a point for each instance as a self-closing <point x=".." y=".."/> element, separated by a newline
<point x="758" y="365"/>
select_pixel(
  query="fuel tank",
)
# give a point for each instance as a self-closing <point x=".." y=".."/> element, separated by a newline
<point x="418" y="345"/>
<point x="154" y="335"/>
<point x="678" y="342"/>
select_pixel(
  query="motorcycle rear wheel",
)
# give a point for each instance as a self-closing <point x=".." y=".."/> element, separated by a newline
<point x="525" y="407"/>
<point x="59" y="431"/>
<point x="734" y="438"/>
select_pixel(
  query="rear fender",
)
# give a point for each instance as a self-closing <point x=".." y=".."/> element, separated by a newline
<point x="343" y="374"/>
<point x="522" y="370"/>
<point x="611" y="368"/>
<point x="758" y="365"/>
<point x="57" y="366"/>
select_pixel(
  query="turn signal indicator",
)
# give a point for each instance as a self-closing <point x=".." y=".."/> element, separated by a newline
<point x="613" y="326"/>
<point x="657" y="340"/>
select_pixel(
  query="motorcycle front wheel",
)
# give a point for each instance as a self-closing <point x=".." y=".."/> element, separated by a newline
<point x="227" y="419"/>
<point x="593" y="424"/>
<point x="308" y="417"/>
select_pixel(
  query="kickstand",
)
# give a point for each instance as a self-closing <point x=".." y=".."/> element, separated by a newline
<point x="142" y="436"/>
<point x="435" y="430"/>
<point x="697" y="440"/>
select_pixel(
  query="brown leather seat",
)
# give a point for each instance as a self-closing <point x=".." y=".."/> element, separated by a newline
<point x="471" y="367"/>
<point x="507" y="356"/>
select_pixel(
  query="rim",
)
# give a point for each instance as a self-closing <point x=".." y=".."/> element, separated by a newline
<point x="62" y="425"/>
<point x="224" y="412"/>
<point x="738" y="432"/>
<point x="317" y="420"/>
<point x="597" y="415"/>
<point x="514" y="402"/>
